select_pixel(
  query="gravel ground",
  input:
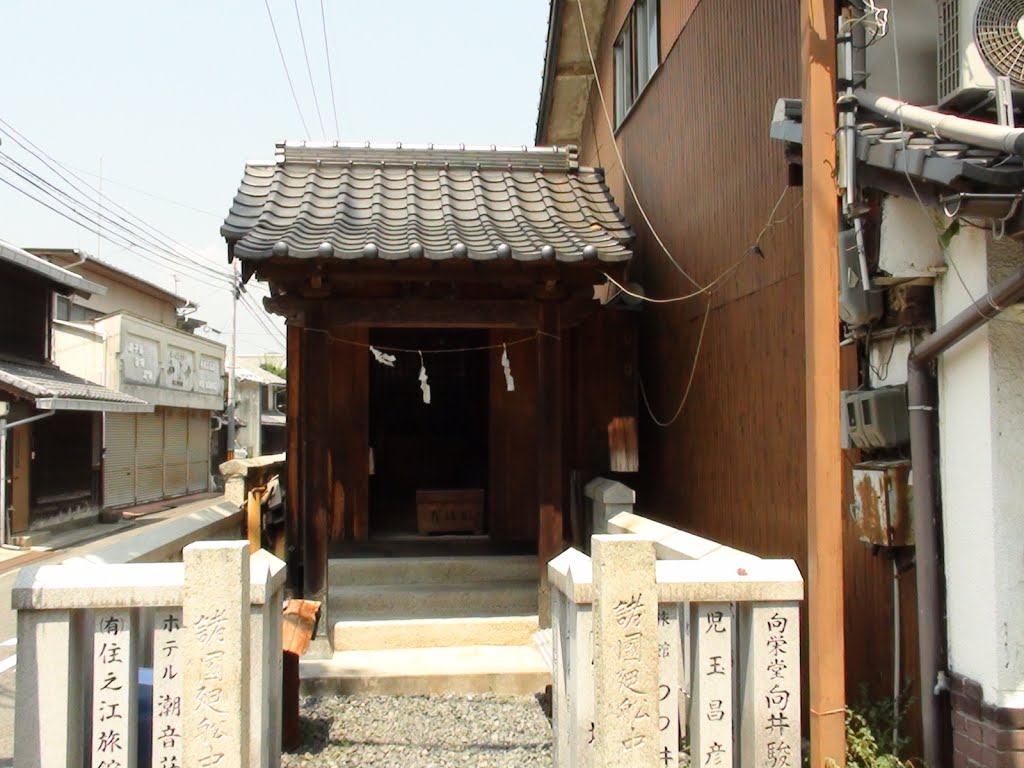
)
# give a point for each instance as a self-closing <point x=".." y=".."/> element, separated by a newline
<point x="478" y="731"/>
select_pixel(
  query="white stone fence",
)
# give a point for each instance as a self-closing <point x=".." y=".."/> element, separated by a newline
<point x="666" y="642"/>
<point x="209" y="629"/>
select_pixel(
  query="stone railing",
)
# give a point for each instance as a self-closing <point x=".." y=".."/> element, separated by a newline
<point x="666" y="643"/>
<point x="209" y="629"/>
<point x="245" y="484"/>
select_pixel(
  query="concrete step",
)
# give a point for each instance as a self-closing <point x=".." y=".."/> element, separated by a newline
<point x="504" y="670"/>
<point x="430" y="570"/>
<point x="432" y="601"/>
<point x="385" y="634"/>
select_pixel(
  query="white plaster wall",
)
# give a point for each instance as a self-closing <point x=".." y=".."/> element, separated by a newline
<point x="914" y="25"/>
<point x="81" y="350"/>
<point x="909" y="239"/>
<point x="981" y="399"/>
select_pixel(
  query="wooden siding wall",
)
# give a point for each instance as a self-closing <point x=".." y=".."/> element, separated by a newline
<point x="699" y="155"/>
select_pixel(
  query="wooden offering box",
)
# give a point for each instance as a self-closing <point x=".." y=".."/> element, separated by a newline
<point x="450" y="511"/>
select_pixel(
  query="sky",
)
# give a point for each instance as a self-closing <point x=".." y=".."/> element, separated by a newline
<point x="160" y="104"/>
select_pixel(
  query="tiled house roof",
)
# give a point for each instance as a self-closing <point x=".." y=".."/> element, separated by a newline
<point x="396" y="203"/>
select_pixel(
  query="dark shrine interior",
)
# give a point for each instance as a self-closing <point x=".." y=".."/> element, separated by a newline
<point x="416" y="446"/>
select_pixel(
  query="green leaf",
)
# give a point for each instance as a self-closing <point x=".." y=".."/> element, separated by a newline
<point x="951" y="231"/>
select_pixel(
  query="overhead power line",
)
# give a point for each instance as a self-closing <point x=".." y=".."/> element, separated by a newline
<point x="284" y="63"/>
<point x="154" y="235"/>
<point x="330" y="75"/>
<point x="309" y="69"/>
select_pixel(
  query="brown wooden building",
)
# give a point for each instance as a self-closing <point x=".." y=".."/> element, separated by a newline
<point x="690" y="87"/>
<point x="408" y="271"/>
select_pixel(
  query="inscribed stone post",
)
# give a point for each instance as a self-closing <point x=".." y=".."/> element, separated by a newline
<point x="215" y="606"/>
<point x="561" y="658"/>
<point x="581" y="685"/>
<point x="670" y="684"/>
<point x="168" y="674"/>
<point x="711" y="707"/>
<point x="626" y="652"/>
<point x="114" y="690"/>
<point x="771" y="686"/>
<point x="265" y="683"/>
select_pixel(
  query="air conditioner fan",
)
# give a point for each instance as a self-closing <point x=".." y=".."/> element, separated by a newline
<point x="999" y="32"/>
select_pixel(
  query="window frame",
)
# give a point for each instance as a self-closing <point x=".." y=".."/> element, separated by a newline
<point x="626" y="57"/>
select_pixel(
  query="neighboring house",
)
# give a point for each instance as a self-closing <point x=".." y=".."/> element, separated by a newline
<point x="52" y="471"/>
<point x="260" y="401"/>
<point x="939" y="205"/>
<point x="689" y="88"/>
<point x="132" y="340"/>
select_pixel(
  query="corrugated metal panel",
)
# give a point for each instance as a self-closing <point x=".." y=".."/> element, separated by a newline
<point x="149" y="456"/>
<point x="176" y="425"/>
<point x="198" y="451"/>
<point x="119" y="460"/>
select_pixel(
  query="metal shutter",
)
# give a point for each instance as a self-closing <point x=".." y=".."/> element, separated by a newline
<point x="198" y="451"/>
<point x="119" y="460"/>
<point x="149" y="456"/>
<point x="175" y="452"/>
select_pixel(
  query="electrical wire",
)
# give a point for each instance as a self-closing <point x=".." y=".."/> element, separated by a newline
<point x="689" y="381"/>
<point x="284" y="63"/>
<point x="260" y="317"/>
<point x="330" y="76"/>
<point x="753" y="249"/>
<point x="101" y="220"/>
<point x="55" y="167"/>
<point x="618" y="154"/>
<point x="87" y="224"/>
<point x="309" y="69"/>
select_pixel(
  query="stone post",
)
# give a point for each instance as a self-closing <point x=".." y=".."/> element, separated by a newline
<point x="625" y="652"/>
<point x="215" y="607"/>
<point x="770" y="689"/>
<point x="266" y="654"/>
<point x="670" y="688"/>
<point x="48" y="720"/>
<point x="608" y="498"/>
<point x="168" y="674"/>
<point x="114" y="689"/>
<point x="711" y="710"/>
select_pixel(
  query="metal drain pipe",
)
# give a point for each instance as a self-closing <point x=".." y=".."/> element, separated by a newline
<point x="927" y="514"/>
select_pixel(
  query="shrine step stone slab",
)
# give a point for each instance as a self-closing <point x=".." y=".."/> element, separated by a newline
<point x="430" y="570"/>
<point x="384" y="634"/>
<point x="402" y="601"/>
<point x="503" y="670"/>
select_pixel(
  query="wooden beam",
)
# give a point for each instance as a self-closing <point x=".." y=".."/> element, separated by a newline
<point x="413" y="313"/>
<point x="824" y="456"/>
<point x="294" y="427"/>
<point x="549" y="447"/>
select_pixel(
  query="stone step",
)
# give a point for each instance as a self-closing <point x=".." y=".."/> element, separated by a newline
<point x="430" y="570"/>
<point x="432" y="601"/>
<point x="385" y="634"/>
<point x="504" y="670"/>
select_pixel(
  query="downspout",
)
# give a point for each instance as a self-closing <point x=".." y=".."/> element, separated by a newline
<point x="927" y="515"/>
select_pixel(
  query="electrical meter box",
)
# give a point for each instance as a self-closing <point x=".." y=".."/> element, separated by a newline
<point x="875" y="418"/>
<point x="881" y="507"/>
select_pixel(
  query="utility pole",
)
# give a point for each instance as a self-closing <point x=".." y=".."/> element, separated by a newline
<point x="236" y="288"/>
<point x="821" y="318"/>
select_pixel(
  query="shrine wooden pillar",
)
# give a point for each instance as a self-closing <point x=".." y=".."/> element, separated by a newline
<point x="294" y="430"/>
<point x="549" y="448"/>
<point x="316" y="493"/>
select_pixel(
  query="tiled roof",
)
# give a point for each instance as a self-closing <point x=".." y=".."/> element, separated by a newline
<point x="258" y="375"/>
<point x="423" y="202"/>
<point x="12" y="254"/>
<point x="42" y="381"/>
<point x="924" y="155"/>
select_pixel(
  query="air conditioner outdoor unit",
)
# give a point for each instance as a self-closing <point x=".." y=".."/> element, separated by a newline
<point x="979" y="40"/>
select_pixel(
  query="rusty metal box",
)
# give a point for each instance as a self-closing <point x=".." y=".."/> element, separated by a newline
<point x="881" y="506"/>
<point x="450" y="511"/>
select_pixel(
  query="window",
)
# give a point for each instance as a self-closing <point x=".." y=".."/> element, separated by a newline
<point x="635" y="55"/>
<point x="70" y="312"/>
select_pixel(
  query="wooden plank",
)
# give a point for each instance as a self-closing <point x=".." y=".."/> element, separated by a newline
<point x="512" y="485"/>
<point x="349" y="398"/>
<point x="417" y="313"/>
<point x="293" y="500"/>
<point x="549" y="448"/>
